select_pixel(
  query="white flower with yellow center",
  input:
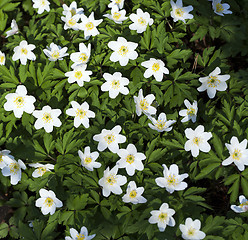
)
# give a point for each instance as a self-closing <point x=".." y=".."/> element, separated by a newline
<point x="115" y="84"/>
<point x="88" y="159"/>
<point x="19" y="102"/>
<point x="72" y="9"/>
<point x="4" y="155"/>
<point x="55" y="52"/>
<point x="47" y="118"/>
<point x="191" y="230"/>
<point x="171" y="180"/>
<point x="197" y="140"/>
<point x="221" y="8"/>
<point x="109" y="139"/>
<point x="41" y="169"/>
<point x="133" y="194"/>
<point x="42" y="5"/>
<point x="190" y="112"/>
<point x="143" y="104"/>
<point x="118" y="16"/>
<point x="24" y="52"/>
<point x="81" y="57"/>
<point x="111" y="182"/>
<point x="243" y="207"/>
<point x="156" y="68"/>
<point x="238" y="153"/>
<point x="2" y="58"/>
<point x="14" y="29"/>
<point x="71" y="21"/>
<point x="89" y="25"/>
<point x="123" y="51"/>
<point x="163" y="217"/>
<point x="118" y="3"/>
<point x="130" y="159"/>
<point x="140" y="21"/>
<point x="13" y="169"/>
<point x="83" y="235"/>
<point x="79" y="75"/>
<point x="161" y="124"/>
<point x="213" y="82"/>
<point x="48" y="202"/>
<point x="179" y="12"/>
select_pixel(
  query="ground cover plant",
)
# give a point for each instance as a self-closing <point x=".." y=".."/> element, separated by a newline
<point x="123" y="119"/>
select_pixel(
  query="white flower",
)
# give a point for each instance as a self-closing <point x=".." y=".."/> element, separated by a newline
<point x="115" y="84"/>
<point x="24" y="52"/>
<point x="47" y="118"/>
<point x="171" y="180"/>
<point x="191" y="230"/>
<point x="14" y="29"/>
<point x="81" y="57"/>
<point x="42" y="5"/>
<point x="179" y="12"/>
<point x="48" y="202"/>
<point x="119" y="3"/>
<point x="130" y="159"/>
<point x="140" y="21"/>
<point x="89" y="25"/>
<point x="243" y="207"/>
<point x="143" y="104"/>
<point x="83" y="235"/>
<point x="88" y="159"/>
<point x="197" y="140"/>
<point x="238" y="153"/>
<point x="55" y="52"/>
<point x="19" y="102"/>
<point x="190" y="112"/>
<point x="41" y="169"/>
<point x="79" y="75"/>
<point x="4" y="156"/>
<point x="221" y="8"/>
<point x="123" y="51"/>
<point x="116" y="15"/>
<point x="13" y="169"/>
<point x="72" y="9"/>
<point x="163" y="217"/>
<point x="213" y="82"/>
<point x="81" y="114"/>
<point x="2" y="58"/>
<point x="111" y="182"/>
<point x="156" y="68"/>
<point x="133" y="194"/>
<point x="161" y="124"/>
<point x="109" y="139"/>
<point x="71" y="21"/>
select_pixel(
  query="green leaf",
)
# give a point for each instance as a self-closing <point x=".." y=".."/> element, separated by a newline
<point x="4" y="229"/>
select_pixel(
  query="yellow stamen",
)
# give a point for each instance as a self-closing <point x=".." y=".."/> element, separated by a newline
<point x="191" y="231"/>
<point x="191" y="111"/>
<point x="115" y="84"/>
<point x="80" y="113"/>
<point x="133" y="194"/>
<point x="83" y="57"/>
<point x="130" y="158"/>
<point x="219" y="7"/>
<point x="213" y="81"/>
<point x="155" y="67"/>
<point x="236" y="154"/>
<point x="196" y="140"/>
<point x="78" y="74"/>
<point x="162" y="217"/>
<point x="87" y="160"/>
<point x="171" y="180"/>
<point x="2" y="59"/>
<point x="14" y="168"/>
<point x="89" y="25"/>
<point x="72" y="22"/>
<point x="41" y="170"/>
<point x="144" y="104"/>
<point x="111" y="179"/>
<point x="179" y="12"/>
<point x="55" y="54"/>
<point x="109" y="138"/>
<point x="47" y="117"/>
<point x="73" y="12"/>
<point x="48" y="202"/>
<point x="142" y="21"/>
<point x="116" y="16"/>
<point x="243" y="204"/>
<point x="123" y="50"/>
<point x="118" y="1"/>
<point x="160" y="124"/>
<point x="19" y="101"/>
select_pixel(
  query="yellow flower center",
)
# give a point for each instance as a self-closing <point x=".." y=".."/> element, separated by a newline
<point x="171" y="180"/>
<point x="144" y="104"/>
<point x="118" y="1"/>
<point x="236" y="154"/>
<point x="191" y="231"/>
<point x="80" y="113"/>
<point x="160" y="124"/>
<point x="87" y="160"/>
<point x="213" y="81"/>
<point x="73" y="12"/>
<point x="219" y="7"/>
<point x="80" y="237"/>
<point x="111" y="179"/>
<point x="191" y="111"/>
<point x="43" y="3"/>
<point x="89" y="25"/>
<point x="41" y="170"/>
<point x="78" y="74"/>
<point x="47" y="117"/>
<point x="133" y="194"/>
<point x="55" y="54"/>
<point x="142" y="21"/>
<point x="24" y="51"/>
<point x="115" y="84"/>
<point x="1" y="158"/>
<point x="109" y="138"/>
<point x="48" y="202"/>
<point x="116" y="16"/>
<point x="179" y="12"/>
<point x="14" y="168"/>
<point x="83" y="57"/>
<point x="243" y="204"/>
<point x="196" y="140"/>
<point x="19" y="101"/>
<point x="123" y="50"/>
<point x="72" y="22"/>
<point x="162" y="217"/>
<point x="2" y="59"/>
<point x="130" y="158"/>
<point x="155" y="67"/>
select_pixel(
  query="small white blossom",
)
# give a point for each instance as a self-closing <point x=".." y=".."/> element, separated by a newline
<point x="118" y="16"/>
<point x="171" y="180"/>
<point x="71" y="21"/>
<point x="72" y="9"/>
<point x="111" y="182"/>
<point x="133" y="194"/>
<point x="118" y="3"/>
<point x="83" y="235"/>
<point x="47" y="118"/>
<point x="143" y="104"/>
<point x="109" y="139"/>
<point x="2" y="58"/>
<point x="81" y="57"/>
<point x="115" y="84"/>
<point x="243" y="207"/>
<point x="238" y="153"/>
<point x="55" y="52"/>
<point x="24" y="52"/>
<point x="123" y="51"/>
<point x="213" y="82"/>
<point x="4" y="156"/>
<point x="190" y="112"/>
<point x="197" y="140"/>
<point x="163" y="217"/>
<point x="48" y="202"/>
<point x="179" y="12"/>
<point x="191" y="230"/>
<point x="221" y="8"/>
<point x="41" y="169"/>
<point x="14" y="29"/>
<point x="88" y="159"/>
<point x="161" y="124"/>
<point x="19" y="102"/>
<point x="42" y="5"/>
